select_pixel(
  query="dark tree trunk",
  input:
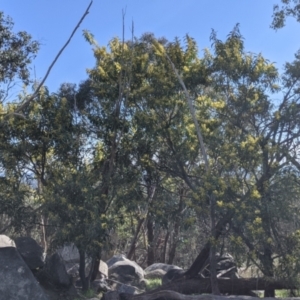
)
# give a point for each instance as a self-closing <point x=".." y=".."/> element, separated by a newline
<point x="134" y="239"/>
<point x="95" y="267"/>
<point x="212" y="252"/>
<point x="203" y="258"/>
<point x="200" y="262"/>
<point x="267" y="262"/>
<point x="177" y="223"/>
<point x="150" y="236"/>
<point x="84" y="280"/>
<point x="213" y="270"/>
<point x="172" y="252"/>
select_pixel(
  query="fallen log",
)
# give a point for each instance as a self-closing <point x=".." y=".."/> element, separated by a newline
<point x="239" y="286"/>
<point x="203" y="258"/>
<point x="170" y="295"/>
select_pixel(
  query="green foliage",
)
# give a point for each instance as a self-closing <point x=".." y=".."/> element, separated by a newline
<point x="244" y="133"/>
<point x="122" y="148"/>
<point x="17" y="51"/>
<point x="29" y="146"/>
<point x="90" y="293"/>
<point x="75" y="209"/>
<point x="153" y="283"/>
<point x="287" y="293"/>
<point x="289" y="8"/>
<point x="14" y="199"/>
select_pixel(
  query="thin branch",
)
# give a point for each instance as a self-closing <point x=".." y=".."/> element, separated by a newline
<point x="214" y="282"/>
<point x="200" y="138"/>
<point x="10" y="86"/>
<point x="25" y="104"/>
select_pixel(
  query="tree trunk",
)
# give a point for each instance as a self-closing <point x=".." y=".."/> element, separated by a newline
<point x="135" y="238"/>
<point x="44" y="218"/>
<point x="84" y="280"/>
<point x="177" y="223"/>
<point x="172" y="251"/>
<point x="163" y="258"/>
<point x="200" y="262"/>
<point x="203" y="258"/>
<point x="212" y="252"/>
<point x="267" y="262"/>
<point x="44" y="222"/>
<point x="213" y="270"/>
<point x="150" y="236"/>
<point x="95" y="267"/>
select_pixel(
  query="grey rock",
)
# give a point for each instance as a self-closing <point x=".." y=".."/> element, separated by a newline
<point x="31" y="252"/>
<point x="103" y="269"/>
<point x="143" y="284"/>
<point x="172" y="275"/>
<point x="160" y="266"/>
<point x="116" y="258"/>
<point x="5" y="241"/>
<point x="127" y="289"/>
<point x="111" y="295"/>
<point x="72" y="269"/>
<point x="126" y="276"/>
<point x="69" y="253"/>
<point x="99" y="285"/>
<point x="226" y="267"/>
<point x="157" y="273"/>
<point x="56" y="271"/>
<point x="126" y="269"/>
<point x="16" y="280"/>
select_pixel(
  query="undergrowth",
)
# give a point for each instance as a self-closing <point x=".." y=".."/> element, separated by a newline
<point x="287" y="293"/>
<point x="153" y="283"/>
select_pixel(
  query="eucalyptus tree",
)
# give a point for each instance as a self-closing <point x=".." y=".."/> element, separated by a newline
<point x="136" y="112"/>
<point x="108" y="109"/>
<point x="140" y="118"/>
<point x="17" y="51"/>
<point x="77" y="213"/>
<point x="29" y="145"/>
<point x="255" y="143"/>
<point x="164" y="117"/>
<point x="250" y="140"/>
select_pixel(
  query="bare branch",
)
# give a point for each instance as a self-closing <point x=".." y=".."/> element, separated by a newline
<point x="214" y="282"/>
<point x="192" y="110"/>
<point x="22" y="106"/>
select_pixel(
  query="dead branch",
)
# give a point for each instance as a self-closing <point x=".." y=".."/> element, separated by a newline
<point x="192" y="110"/>
<point x="208" y="171"/>
<point x="31" y="98"/>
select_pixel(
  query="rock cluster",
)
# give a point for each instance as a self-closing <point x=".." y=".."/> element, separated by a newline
<point x="25" y="274"/>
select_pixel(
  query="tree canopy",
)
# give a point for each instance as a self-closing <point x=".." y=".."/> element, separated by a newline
<point x="118" y="154"/>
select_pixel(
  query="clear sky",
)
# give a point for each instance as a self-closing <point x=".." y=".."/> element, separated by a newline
<point x="52" y="21"/>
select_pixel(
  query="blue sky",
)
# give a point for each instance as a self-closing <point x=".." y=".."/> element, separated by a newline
<point x="51" y="23"/>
